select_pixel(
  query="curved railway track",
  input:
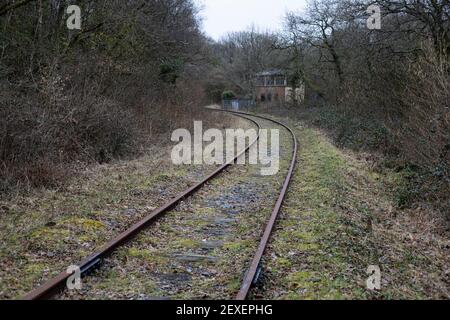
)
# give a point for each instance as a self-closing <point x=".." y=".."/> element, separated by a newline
<point x="50" y="288"/>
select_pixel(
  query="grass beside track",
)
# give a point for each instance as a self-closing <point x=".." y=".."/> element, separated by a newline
<point x="340" y="218"/>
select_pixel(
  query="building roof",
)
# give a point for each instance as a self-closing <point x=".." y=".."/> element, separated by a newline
<point x="273" y="72"/>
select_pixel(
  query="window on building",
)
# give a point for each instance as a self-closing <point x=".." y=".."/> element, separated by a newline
<point x="279" y="81"/>
<point x="269" y="97"/>
<point x="270" y="81"/>
<point x="263" y="97"/>
<point x="260" y="81"/>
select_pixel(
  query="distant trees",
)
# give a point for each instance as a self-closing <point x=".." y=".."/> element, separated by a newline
<point x="67" y="93"/>
<point x="151" y="30"/>
<point x="242" y="54"/>
<point x="318" y="28"/>
<point x="397" y="75"/>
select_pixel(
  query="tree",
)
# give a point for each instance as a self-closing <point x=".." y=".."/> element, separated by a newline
<point x="318" y="28"/>
<point x="243" y="54"/>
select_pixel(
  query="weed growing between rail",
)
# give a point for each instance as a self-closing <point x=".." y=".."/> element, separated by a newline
<point x="201" y="249"/>
<point x="48" y="230"/>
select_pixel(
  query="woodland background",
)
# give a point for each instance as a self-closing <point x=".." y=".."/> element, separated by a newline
<point x="140" y="68"/>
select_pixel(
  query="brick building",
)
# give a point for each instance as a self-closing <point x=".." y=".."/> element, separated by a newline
<point x="272" y="87"/>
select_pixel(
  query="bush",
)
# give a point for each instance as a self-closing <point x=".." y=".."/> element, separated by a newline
<point x="170" y="70"/>
<point x="423" y="135"/>
<point x="353" y="131"/>
<point x="38" y="141"/>
<point x="228" y="95"/>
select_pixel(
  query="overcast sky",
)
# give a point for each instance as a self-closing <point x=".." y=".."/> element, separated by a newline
<point x="223" y="16"/>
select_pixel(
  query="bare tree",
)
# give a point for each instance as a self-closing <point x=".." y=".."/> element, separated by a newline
<point x="245" y="53"/>
<point x="318" y="28"/>
<point x="428" y="17"/>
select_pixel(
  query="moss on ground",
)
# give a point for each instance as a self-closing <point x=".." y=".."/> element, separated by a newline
<point x="331" y="229"/>
<point x="60" y="227"/>
<point x="312" y="234"/>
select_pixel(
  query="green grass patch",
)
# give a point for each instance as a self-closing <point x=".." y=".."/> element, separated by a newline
<point x="312" y="240"/>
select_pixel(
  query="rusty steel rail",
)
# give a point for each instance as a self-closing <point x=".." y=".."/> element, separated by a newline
<point x="48" y="289"/>
<point x="256" y="262"/>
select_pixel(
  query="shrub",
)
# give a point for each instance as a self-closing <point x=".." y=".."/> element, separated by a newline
<point x="39" y="141"/>
<point x="228" y="95"/>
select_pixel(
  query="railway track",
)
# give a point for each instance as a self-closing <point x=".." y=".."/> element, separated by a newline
<point x="53" y="286"/>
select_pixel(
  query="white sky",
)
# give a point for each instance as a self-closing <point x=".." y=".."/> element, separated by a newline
<point x="223" y="16"/>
